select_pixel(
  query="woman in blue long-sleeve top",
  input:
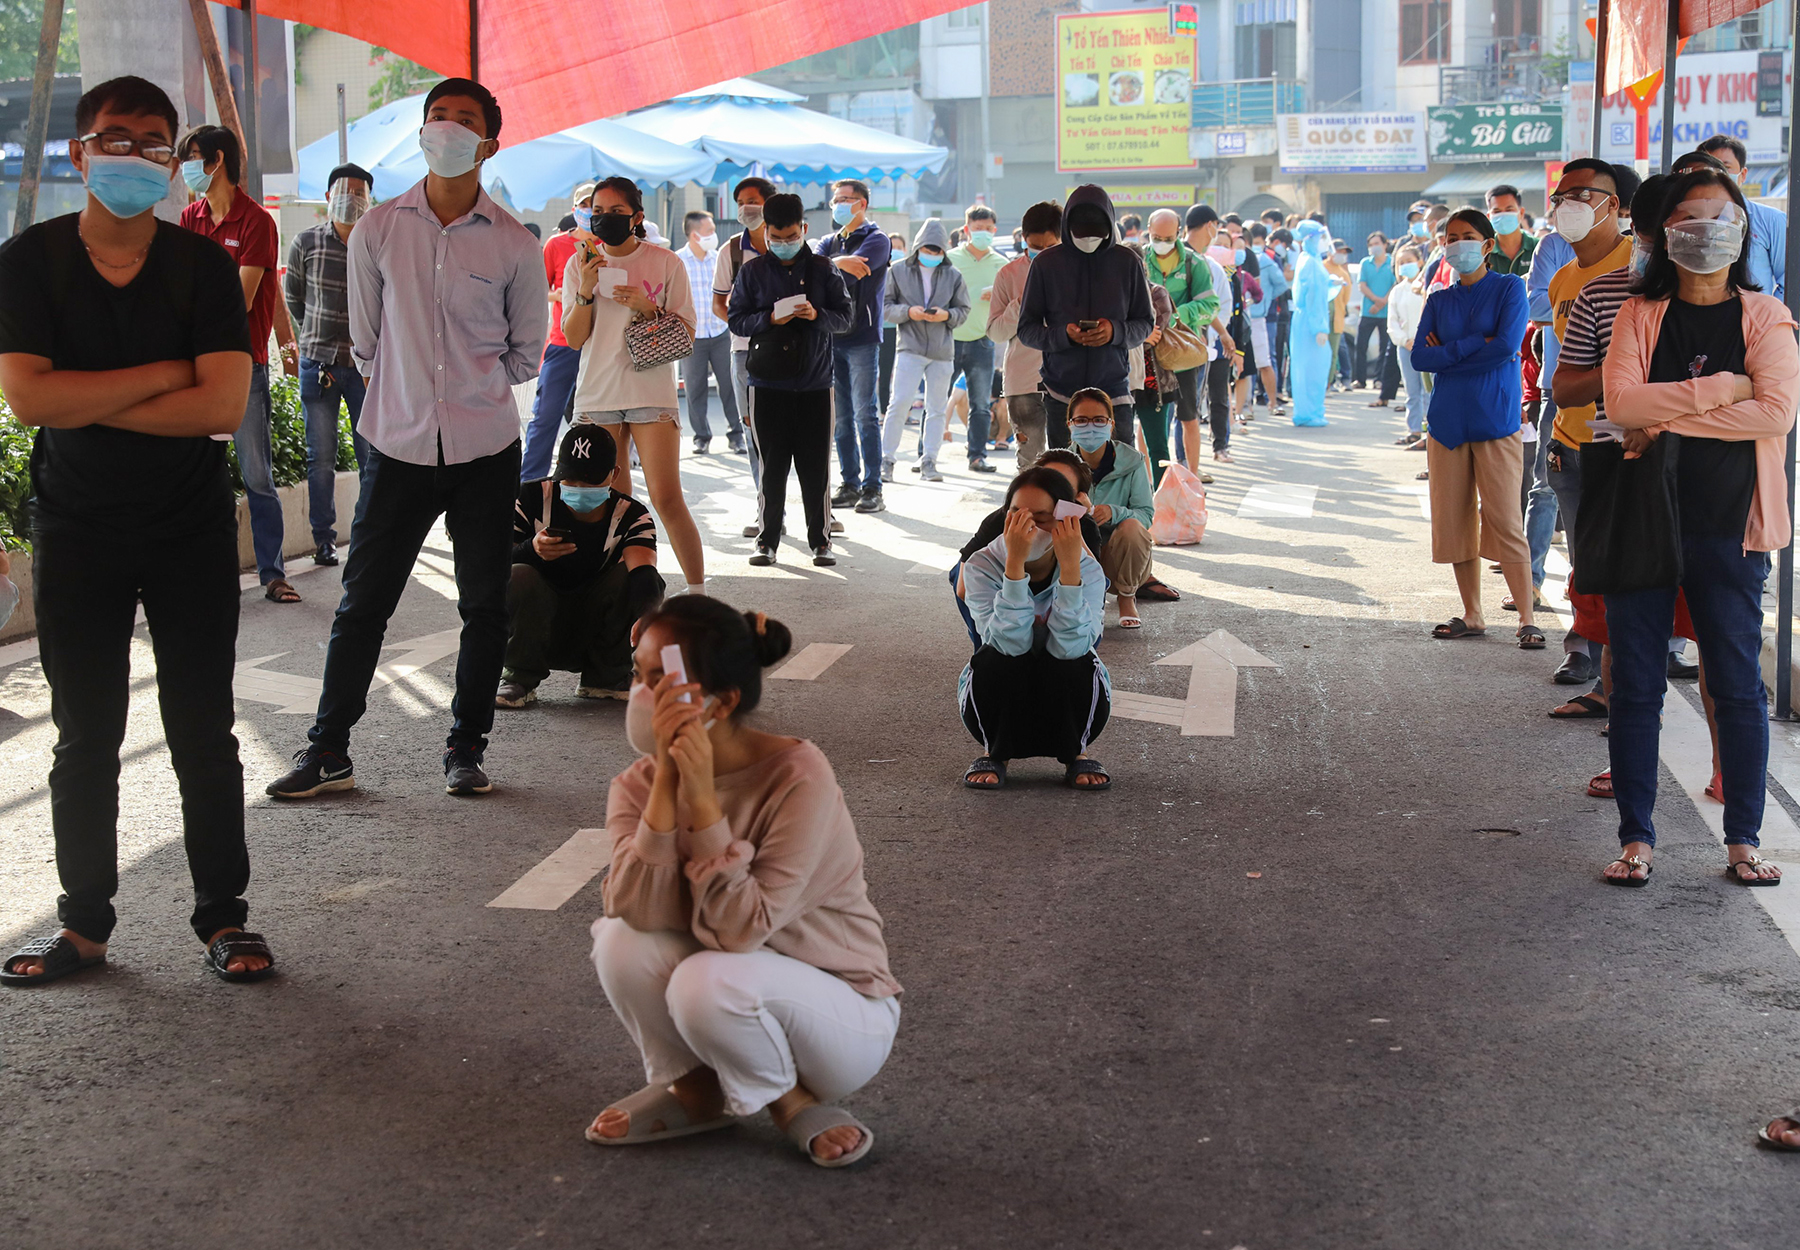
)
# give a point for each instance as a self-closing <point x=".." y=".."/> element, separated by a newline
<point x="1469" y="336"/>
<point x="1036" y="595"/>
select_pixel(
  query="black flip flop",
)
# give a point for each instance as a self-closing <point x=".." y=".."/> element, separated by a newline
<point x="1592" y="709"/>
<point x="236" y="944"/>
<point x="1158" y="592"/>
<point x="1635" y="883"/>
<point x="1530" y="637"/>
<point x="60" y="958"/>
<point x="1087" y="768"/>
<point x="1731" y="870"/>
<point x="986" y="764"/>
<point x="1456" y="627"/>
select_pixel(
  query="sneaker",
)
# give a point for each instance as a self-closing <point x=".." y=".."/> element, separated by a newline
<point x="586" y="691"/>
<point x="700" y="446"/>
<point x="1223" y="457"/>
<point x="736" y="447"/>
<point x="845" y="495"/>
<point x="1206" y="479"/>
<point x="822" y="556"/>
<point x="981" y="466"/>
<point x="871" y="501"/>
<point x="316" y="771"/>
<point x="928" y="471"/>
<point x="764" y="557"/>
<point x="463" y="774"/>
<point x="837" y="526"/>
<point x="326" y="556"/>
<point x="887" y="472"/>
<point x="515" y="694"/>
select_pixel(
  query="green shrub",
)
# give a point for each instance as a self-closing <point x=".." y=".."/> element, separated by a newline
<point x="15" y="480"/>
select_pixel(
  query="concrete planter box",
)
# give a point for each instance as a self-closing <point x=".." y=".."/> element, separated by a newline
<point x="296" y="520"/>
<point x="24" y="620"/>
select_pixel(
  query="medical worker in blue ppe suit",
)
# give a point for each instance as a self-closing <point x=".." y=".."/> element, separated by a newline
<point x="1309" y="333"/>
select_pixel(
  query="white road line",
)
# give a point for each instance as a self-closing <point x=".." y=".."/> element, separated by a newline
<point x="561" y="875"/>
<point x="1210" y="709"/>
<point x="293" y="694"/>
<point x="1148" y="707"/>
<point x="1278" y="499"/>
<point x="813" y="660"/>
<point x="1422" y="491"/>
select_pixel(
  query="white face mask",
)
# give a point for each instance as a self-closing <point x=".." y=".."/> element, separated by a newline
<point x="1163" y="246"/>
<point x="449" y="148"/>
<point x="1040" y="546"/>
<point x="750" y="215"/>
<point x="1705" y="246"/>
<point x="640" y="709"/>
<point x="347" y="206"/>
<point x="709" y="243"/>
<point x="1088" y="245"/>
<point x="1573" y="220"/>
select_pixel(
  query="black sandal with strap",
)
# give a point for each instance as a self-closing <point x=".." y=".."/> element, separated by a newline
<point x="1530" y="637"/>
<point x="1087" y="768"/>
<point x="1158" y="592"/>
<point x="1456" y="627"/>
<point x="239" y="945"/>
<point x="986" y="764"/>
<point x="60" y="956"/>
<point x="281" y="591"/>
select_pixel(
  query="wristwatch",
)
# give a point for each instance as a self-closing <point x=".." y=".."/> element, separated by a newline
<point x="582" y="301"/>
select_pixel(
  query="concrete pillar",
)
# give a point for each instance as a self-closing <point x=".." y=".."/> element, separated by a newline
<point x="149" y="38"/>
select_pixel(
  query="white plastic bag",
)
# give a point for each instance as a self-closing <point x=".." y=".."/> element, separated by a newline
<point x="1180" y="516"/>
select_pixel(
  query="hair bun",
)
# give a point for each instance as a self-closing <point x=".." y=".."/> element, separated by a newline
<point x="769" y="638"/>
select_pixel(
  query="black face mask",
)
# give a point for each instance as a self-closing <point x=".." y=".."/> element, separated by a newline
<point x="613" y="228"/>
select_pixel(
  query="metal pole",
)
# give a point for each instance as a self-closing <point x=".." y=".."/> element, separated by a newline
<point x="1671" y="49"/>
<point x="215" y="69"/>
<point x="247" y="107"/>
<point x="987" y="141"/>
<point x="475" y="40"/>
<point x="343" y="130"/>
<point x="37" y="122"/>
<point x="1784" y="591"/>
<point x="1601" y="27"/>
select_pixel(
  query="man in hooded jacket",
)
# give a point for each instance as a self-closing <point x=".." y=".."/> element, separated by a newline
<point x="1086" y="305"/>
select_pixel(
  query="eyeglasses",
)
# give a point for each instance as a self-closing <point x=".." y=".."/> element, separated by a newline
<point x="153" y="150"/>
<point x="1581" y="195"/>
<point x="1094" y="423"/>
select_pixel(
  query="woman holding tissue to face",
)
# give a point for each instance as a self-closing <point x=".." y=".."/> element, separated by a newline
<point x="739" y="947"/>
<point x="1036" y="596"/>
<point x="1122" y="502"/>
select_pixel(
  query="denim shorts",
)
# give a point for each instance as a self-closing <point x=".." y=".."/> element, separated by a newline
<point x="626" y="416"/>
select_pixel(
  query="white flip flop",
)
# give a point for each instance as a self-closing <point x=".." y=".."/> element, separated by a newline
<point x="1131" y="622"/>
<point x="650" y="1106"/>
<point x="820" y="1118"/>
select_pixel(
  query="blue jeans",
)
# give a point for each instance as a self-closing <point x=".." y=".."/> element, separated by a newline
<point x="710" y="353"/>
<point x="400" y="502"/>
<point x="1563" y="469"/>
<point x="323" y="388"/>
<point x="256" y="464"/>
<point x="975" y="361"/>
<point x="858" y="428"/>
<point x="740" y="386"/>
<point x="1415" y="393"/>
<point x="556" y="386"/>
<point x="963" y="608"/>
<point x="1540" y="530"/>
<point x="1724" y="596"/>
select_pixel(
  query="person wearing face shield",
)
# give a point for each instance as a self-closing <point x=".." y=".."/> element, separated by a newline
<point x="314" y="288"/>
<point x="1086" y="305"/>
<point x="1701" y="356"/>
<point x="739" y="948"/>
<point x="554" y="401"/>
<point x="583" y="573"/>
<point x="125" y="344"/>
<point x="1309" y="334"/>
<point x="448" y="309"/>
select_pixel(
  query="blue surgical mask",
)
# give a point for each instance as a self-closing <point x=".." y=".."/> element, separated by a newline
<point x="1640" y="257"/>
<point x="1464" y="255"/>
<point x="194" y="174"/>
<point x="584" y="219"/>
<point x="842" y="212"/>
<point x="930" y="260"/>
<point x="1034" y="252"/>
<point x="127" y="186"/>
<point x="982" y="239"/>
<point x="1237" y="256"/>
<point x="585" y="498"/>
<point x="1505" y="223"/>
<point x="1409" y="269"/>
<point x="786" y="250"/>
<point x="1418" y="229"/>
<point x="1090" y="437"/>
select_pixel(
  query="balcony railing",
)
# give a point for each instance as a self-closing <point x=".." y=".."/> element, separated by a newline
<point x="1499" y="70"/>
<point x="1246" y="101"/>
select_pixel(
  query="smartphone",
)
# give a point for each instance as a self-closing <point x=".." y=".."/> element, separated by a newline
<point x="1066" y="509"/>
<point x="558" y="535"/>
<point x="676" y="667"/>
<point x="1087" y="325"/>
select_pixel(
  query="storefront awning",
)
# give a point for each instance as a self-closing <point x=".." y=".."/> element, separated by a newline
<point x="1474" y="180"/>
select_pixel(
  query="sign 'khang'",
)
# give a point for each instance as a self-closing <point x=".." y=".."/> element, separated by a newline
<point x="1481" y="132"/>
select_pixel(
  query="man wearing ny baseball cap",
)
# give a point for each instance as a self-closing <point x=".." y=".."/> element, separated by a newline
<point x="584" y="571"/>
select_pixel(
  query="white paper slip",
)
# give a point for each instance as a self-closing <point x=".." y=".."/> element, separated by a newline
<point x="1064" y="510"/>
<point x="786" y="306"/>
<point x="606" y="279"/>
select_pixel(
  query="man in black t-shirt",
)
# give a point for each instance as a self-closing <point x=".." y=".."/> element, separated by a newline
<point x="583" y="574"/>
<point x="124" y="341"/>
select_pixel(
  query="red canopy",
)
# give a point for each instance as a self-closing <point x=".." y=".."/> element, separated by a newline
<point x="558" y="64"/>
<point x="1639" y="29"/>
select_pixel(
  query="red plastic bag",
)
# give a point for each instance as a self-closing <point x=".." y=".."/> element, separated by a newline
<point x="1180" y="509"/>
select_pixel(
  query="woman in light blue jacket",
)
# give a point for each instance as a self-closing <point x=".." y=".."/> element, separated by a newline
<point x="927" y="299"/>
<point x="1036" y="596"/>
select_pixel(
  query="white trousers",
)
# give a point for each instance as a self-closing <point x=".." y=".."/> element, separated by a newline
<point x="908" y="370"/>
<point x="764" y="1022"/>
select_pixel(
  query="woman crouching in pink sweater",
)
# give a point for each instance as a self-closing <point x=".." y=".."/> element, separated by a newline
<point x="739" y="947"/>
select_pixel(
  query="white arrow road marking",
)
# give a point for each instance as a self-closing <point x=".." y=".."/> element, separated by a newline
<point x="1278" y="499"/>
<point x="813" y="660"/>
<point x="1210" y="709"/>
<point x="292" y="694"/>
<point x="1422" y="492"/>
<point x="561" y="875"/>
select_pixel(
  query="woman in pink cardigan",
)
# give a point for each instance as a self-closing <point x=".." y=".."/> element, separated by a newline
<point x="1700" y="354"/>
<point x="739" y="947"/>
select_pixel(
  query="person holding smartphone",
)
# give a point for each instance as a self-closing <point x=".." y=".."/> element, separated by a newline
<point x="926" y="299"/>
<point x="584" y="571"/>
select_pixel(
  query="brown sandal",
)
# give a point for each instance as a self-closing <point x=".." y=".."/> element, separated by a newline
<point x="279" y="591"/>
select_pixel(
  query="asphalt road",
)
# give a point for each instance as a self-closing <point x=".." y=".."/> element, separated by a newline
<point x="1344" y="979"/>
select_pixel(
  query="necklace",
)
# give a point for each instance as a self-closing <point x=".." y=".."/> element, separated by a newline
<point x="101" y="260"/>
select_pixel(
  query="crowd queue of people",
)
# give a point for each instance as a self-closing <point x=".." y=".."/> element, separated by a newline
<point x="739" y="947"/>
